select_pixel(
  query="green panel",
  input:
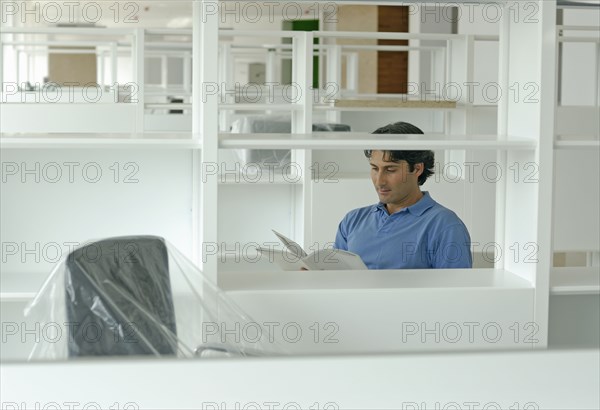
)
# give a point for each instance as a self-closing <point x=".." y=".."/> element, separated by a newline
<point x="286" y="64"/>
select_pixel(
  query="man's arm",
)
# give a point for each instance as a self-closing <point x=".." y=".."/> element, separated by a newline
<point x="453" y="249"/>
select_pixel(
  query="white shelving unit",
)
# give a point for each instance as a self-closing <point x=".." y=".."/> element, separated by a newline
<point x="523" y="212"/>
<point x="522" y="217"/>
<point x="574" y="285"/>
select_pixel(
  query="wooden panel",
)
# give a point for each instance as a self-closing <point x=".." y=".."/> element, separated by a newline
<point x="392" y="73"/>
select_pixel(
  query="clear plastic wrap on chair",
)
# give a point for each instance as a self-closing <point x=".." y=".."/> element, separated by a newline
<point x="138" y="295"/>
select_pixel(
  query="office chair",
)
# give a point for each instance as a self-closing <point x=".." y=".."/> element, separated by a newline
<point x="281" y="124"/>
<point x="119" y="299"/>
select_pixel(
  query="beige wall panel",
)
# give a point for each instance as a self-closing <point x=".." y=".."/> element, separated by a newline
<point x="360" y="18"/>
<point x="80" y="69"/>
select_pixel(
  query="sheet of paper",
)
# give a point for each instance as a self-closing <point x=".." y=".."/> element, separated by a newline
<point x="291" y="245"/>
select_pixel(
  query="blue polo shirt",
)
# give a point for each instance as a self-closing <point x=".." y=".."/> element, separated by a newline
<point x="425" y="235"/>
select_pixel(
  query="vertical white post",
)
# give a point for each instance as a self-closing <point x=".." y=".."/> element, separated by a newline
<point x="460" y="72"/>
<point x="187" y="72"/>
<point x="501" y="156"/>
<point x="138" y="64"/>
<point x="414" y="56"/>
<point x="205" y="110"/>
<point x="1" y="65"/>
<point x="18" y="66"/>
<point x="334" y="78"/>
<point x="352" y="72"/>
<point x="226" y="65"/>
<point x="596" y="79"/>
<point x="164" y="72"/>
<point x="113" y="62"/>
<point x="467" y="127"/>
<point x="100" y="63"/>
<point x="29" y="67"/>
<point x="320" y="51"/>
<point x="432" y="68"/>
<point x="530" y="65"/>
<point x="271" y="66"/>
<point x="545" y="159"/>
<point x="302" y="79"/>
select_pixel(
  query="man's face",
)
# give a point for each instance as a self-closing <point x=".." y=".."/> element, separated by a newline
<point x="393" y="181"/>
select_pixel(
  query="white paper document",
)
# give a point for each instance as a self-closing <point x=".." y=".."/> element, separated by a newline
<point x="293" y="257"/>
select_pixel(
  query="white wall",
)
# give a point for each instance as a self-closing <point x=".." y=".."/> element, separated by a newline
<point x="110" y="192"/>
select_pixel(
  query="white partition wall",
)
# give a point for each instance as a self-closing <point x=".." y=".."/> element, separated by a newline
<point x="526" y="381"/>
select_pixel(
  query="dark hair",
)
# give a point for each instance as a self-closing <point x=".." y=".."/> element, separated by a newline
<point x="412" y="157"/>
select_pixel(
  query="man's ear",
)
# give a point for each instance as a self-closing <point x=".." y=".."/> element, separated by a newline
<point x="418" y="168"/>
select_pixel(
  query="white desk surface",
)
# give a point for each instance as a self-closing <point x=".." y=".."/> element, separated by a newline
<point x="372" y="279"/>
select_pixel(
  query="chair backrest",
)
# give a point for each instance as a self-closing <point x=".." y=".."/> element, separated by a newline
<point x="119" y="299"/>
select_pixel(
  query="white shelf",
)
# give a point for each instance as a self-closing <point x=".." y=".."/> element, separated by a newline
<point x="267" y="178"/>
<point x="316" y="107"/>
<point x="360" y="140"/>
<point x="101" y="31"/>
<point x="582" y="144"/>
<point x="141" y="140"/>
<point x="382" y="109"/>
<point x="260" y="107"/>
<point x="323" y="174"/>
<point x="575" y="281"/>
<point x="387" y="35"/>
<point x="459" y="107"/>
<point x="373" y="279"/>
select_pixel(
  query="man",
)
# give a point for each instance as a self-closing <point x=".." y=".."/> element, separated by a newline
<point x="407" y="229"/>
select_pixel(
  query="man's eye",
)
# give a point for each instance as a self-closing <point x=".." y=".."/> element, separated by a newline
<point x="391" y="170"/>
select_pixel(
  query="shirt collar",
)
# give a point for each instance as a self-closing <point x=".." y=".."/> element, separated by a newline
<point x="417" y="209"/>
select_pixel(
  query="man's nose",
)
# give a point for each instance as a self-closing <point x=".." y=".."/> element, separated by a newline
<point x="380" y="179"/>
